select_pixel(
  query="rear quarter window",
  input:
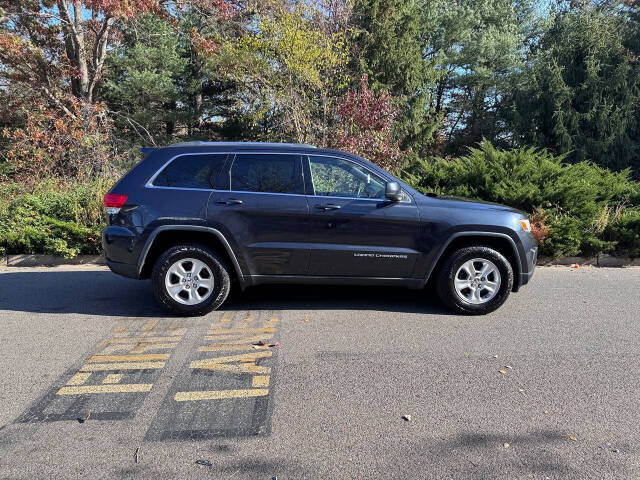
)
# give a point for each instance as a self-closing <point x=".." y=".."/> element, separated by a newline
<point x="191" y="171"/>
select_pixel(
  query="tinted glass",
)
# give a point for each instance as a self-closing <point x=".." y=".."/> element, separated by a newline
<point x="266" y="173"/>
<point x="190" y="171"/>
<point x="335" y="177"/>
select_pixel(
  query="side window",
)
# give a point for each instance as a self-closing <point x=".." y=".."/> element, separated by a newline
<point x="266" y="173"/>
<point x="190" y="171"/>
<point x="334" y="177"/>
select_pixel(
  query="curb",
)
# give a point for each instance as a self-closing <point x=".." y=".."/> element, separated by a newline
<point x="50" y="260"/>
<point x="600" y="261"/>
<point x="54" y="261"/>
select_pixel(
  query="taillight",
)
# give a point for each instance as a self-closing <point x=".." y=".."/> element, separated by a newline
<point x="114" y="201"/>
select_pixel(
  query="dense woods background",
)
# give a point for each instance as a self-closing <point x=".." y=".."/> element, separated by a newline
<point x="534" y="103"/>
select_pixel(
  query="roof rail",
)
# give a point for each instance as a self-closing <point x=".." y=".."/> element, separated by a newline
<point x="196" y="143"/>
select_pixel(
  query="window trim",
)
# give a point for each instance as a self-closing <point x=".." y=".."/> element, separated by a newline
<point x="150" y="184"/>
<point x="301" y="156"/>
<point x="386" y="180"/>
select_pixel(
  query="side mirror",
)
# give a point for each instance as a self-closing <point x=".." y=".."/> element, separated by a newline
<point x="393" y="191"/>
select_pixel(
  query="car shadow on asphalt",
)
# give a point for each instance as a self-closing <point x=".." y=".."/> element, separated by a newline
<point x="103" y="293"/>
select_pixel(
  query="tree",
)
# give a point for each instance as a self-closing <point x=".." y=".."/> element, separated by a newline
<point x="365" y="126"/>
<point x="480" y="46"/>
<point x="143" y="75"/>
<point x="580" y="94"/>
<point x="45" y="43"/>
<point x="288" y="69"/>
<point x="389" y="48"/>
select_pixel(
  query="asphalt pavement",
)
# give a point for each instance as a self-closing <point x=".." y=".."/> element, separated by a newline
<point x="297" y="382"/>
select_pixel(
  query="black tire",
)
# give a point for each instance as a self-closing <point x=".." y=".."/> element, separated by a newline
<point x="216" y="264"/>
<point x="445" y="280"/>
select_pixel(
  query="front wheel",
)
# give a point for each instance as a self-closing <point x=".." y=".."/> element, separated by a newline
<point x="190" y="280"/>
<point x="475" y="280"/>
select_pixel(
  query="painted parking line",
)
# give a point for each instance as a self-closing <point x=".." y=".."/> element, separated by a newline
<point x="113" y="381"/>
<point x="88" y="389"/>
<point x="79" y="378"/>
<point x="226" y="386"/>
<point x="98" y="367"/>
<point x="218" y="394"/>
<point x="129" y="358"/>
<point x="113" y="378"/>
<point x="260" y="380"/>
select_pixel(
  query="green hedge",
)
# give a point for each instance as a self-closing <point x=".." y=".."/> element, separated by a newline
<point x="585" y="209"/>
<point x="54" y="218"/>
<point x="582" y="209"/>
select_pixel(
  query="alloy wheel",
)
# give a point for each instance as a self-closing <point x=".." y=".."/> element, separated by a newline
<point x="189" y="281"/>
<point x="477" y="281"/>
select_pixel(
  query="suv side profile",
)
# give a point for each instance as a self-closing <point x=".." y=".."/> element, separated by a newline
<point x="197" y="217"/>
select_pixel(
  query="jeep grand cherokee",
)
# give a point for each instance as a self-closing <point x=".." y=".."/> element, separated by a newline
<point x="197" y="217"/>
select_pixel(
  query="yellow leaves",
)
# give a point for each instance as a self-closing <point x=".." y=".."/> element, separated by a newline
<point x="286" y="47"/>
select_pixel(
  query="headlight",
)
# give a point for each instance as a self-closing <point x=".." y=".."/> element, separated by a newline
<point x="526" y="225"/>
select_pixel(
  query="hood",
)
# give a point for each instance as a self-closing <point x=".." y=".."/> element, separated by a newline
<point x="471" y="204"/>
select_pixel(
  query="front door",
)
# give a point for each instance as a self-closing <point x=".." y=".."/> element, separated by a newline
<point x="259" y="205"/>
<point x="354" y="230"/>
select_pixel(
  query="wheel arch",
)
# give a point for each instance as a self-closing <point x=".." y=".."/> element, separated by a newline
<point x="166" y="236"/>
<point x="502" y="242"/>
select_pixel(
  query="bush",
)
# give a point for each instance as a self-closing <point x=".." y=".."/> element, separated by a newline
<point x="57" y="218"/>
<point x="582" y="209"/>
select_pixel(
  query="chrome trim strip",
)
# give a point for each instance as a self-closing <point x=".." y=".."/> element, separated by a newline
<point x="150" y="184"/>
<point x="181" y="188"/>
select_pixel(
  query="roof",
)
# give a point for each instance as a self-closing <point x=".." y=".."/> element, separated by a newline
<point x="198" y="143"/>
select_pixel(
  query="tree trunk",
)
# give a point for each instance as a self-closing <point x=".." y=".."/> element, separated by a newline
<point x="84" y="82"/>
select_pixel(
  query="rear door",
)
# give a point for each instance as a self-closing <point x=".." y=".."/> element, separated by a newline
<point x="259" y="204"/>
<point x="354" y="230"/>
<point x="179" y="191"/>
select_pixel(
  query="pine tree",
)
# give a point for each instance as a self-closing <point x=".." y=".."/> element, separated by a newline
<point x="580" y="95"/>
<point x="389" y="48"/>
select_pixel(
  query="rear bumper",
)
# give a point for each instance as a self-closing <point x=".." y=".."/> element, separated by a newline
<point x="124" y="269"/>
<point x="119" y="245"/>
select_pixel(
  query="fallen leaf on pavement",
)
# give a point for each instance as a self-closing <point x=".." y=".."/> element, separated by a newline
<point x="572" y="438"/>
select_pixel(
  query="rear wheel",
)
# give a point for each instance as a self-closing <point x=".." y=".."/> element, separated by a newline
<point x="475" y="280"/>
<point x="190" y="280"/>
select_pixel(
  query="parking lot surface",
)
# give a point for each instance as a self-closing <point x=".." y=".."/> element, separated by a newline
<point x="313" y="382"/>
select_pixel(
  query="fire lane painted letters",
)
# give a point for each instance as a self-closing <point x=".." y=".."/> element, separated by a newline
<point x="112" y="382"/>
<point x="225" y="388"/>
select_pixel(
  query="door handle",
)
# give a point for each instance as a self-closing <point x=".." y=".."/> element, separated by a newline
<point x="231" y="201"/>
<point x="328" y="206"/>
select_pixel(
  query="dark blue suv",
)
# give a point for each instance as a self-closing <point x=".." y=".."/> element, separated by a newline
<point x="197" y="217"/>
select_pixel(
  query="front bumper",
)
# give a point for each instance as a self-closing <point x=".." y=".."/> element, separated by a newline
<point x="531" y="259"/>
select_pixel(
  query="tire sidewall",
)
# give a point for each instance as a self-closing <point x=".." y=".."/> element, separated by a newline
<point x="446" y="282"/>
<point x="218" y="270"/>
